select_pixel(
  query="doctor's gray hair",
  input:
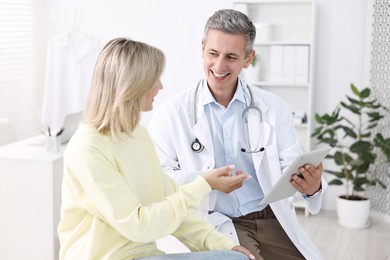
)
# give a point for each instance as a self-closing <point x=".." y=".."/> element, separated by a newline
<point x="235" y="22"/>
<point x="125" y="72"/>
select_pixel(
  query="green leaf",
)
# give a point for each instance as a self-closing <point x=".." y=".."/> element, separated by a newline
<point x="338" y="174"/>
<point x="363" y="168"/>
<point x="335" y="182"/>
<point x="358" y="188"/>
<point x="329" y="119"/>
<point x="338" y="158"/>
<point x="383" y="186"/>
<point x="316" y="132"/>
<point x="368" y="157"/>
<point x="348" y="174"/>
<point x="351" y="108"/>
<point x="354" y="101"/>
<point x="330" y="141"/>
<point x="365" y="93"/>
<point x="360" y="147"/>
<point x="366" y="135"/>
<point x="347" y="120"/>
<point x="349" y="132"/>
<point x="372" y="104"/>
<point x="384" y="144"/>
<point x="329" y="133"/>
<point x="329" y="171"/>
<point x="375" y="116"/>
<point x="360" y="181"/>
<point x="355" y="90"/>
<point x="254" y="61"/>
<point x="319" y="119"/>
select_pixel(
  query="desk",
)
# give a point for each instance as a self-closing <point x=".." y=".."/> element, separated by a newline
<point x="30" y="199"/>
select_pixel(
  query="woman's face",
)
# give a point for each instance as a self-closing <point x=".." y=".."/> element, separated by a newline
<point x="149" y="98"/>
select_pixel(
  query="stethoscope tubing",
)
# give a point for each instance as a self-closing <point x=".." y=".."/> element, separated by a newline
<point x="198" y="147"/>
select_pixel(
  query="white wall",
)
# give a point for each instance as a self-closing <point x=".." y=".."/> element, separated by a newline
<point x="340" y="60"/>
<point x="340" y="50"/>
<point x="176" y="27"/>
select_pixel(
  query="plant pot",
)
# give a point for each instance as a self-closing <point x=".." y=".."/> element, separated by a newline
<point x="353" y="213"/>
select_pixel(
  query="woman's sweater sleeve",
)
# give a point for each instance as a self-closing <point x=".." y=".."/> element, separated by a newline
<point x="105" y="193"/>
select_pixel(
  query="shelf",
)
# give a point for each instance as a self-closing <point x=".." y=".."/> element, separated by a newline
<point x="273" y="2"/>
<point x="280" y="84"/>
<point x="283" y="43"/>
<point x="285" y="51"/>
<point x="303" y="126"/>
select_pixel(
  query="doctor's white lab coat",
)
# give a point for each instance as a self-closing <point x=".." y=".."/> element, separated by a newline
<point x="173" y="129"/>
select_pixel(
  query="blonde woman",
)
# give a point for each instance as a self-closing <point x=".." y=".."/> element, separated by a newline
<point x="116" y="200"/>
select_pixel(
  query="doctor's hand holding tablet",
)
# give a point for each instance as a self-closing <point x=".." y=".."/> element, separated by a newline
<point x="308" y="181"/>
<point x="304" y="175"/>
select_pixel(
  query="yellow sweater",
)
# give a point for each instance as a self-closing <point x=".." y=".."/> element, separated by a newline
<point x="116" y="201"/>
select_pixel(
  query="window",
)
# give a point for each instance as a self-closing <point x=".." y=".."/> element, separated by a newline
<point x="20" y="93"/>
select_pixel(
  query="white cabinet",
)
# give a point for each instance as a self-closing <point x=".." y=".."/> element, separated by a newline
<point x="30" y="199"/>
<point x="285" y="55"/>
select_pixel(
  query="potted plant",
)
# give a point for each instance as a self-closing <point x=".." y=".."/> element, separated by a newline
<point x="252" y="73"/>
<point x="349" y="130"/>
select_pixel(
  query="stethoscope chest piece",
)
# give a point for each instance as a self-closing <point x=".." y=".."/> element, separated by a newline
<point x="197" y="146"/>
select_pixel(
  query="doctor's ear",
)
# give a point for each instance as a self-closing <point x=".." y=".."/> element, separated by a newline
<point x="203" y="45"/>
<point x="249" y="59"/>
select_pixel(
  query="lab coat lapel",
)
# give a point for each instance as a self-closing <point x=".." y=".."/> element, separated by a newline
<point x="259" y="133"/>
<point x="201" y="129"/>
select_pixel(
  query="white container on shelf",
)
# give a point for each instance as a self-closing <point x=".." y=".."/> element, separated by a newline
<point x="263" y="32"/>
<point x="276" y="64"/>
<point x="302" y="61"/>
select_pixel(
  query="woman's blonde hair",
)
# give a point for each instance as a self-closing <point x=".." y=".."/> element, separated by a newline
<point x="125" y="72"/>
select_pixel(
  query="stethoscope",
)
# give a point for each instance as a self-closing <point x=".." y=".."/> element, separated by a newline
<point x="198" y="147"/>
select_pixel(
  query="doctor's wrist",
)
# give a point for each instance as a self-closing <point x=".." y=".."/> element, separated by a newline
<point x="314" y="194"/>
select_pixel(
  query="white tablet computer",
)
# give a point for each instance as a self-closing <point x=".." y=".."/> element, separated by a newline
<point x="283" y="188"/>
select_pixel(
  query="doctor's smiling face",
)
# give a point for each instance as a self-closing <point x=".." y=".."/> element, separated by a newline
<point x="149" y="97"/>
<point x="223" y="59"/>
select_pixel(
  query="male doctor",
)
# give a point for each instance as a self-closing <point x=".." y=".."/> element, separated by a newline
<point x="223" y="121"/>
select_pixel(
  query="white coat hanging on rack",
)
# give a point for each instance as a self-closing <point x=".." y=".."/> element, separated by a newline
<point x="71" y="57"/>
<point x="77" y="35"/>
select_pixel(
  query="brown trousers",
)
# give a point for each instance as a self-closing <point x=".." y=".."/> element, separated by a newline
<point x="261" y="233"/>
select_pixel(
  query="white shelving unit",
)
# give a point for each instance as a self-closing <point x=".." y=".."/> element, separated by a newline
<point x="285" y="54"/>
<point x="285" y="47"/>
